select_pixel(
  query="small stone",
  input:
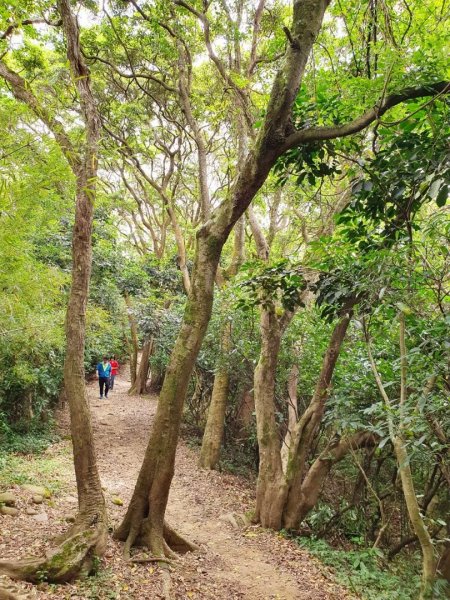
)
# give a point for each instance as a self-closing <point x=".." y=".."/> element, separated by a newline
<point x="230" y="518"/>
<point x="8" y="510"/>
<point x="7" y="498"/>
<point x="31" y="511"/>
<point x="41" y="517"/>
<point x="37" y="490"/>
<point x="69" y="518"/>
<point x="37" y="499"/>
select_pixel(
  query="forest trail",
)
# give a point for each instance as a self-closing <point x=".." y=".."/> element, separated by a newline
<point x="233" y="562"/>
<point x="245" y="563"/>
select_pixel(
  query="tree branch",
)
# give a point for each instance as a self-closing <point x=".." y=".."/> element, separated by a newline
<point x="256" y="27"/>
<point x="132" y="75"/>
<point x="314" y="134"/>
<point x="240" y="94"/>
<point x="22" y="92"/>
<point x="14" y="26"/>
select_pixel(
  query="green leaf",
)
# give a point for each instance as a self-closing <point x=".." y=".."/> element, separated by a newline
<point x="442" y="196"/>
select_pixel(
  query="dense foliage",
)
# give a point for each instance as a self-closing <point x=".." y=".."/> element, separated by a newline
<point x="355" y="226"/>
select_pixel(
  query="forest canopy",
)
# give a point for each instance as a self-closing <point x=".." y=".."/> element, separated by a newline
<point x="248" y="203"/>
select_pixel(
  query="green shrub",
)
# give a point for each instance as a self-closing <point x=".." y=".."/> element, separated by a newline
<point x="366" y="573"/>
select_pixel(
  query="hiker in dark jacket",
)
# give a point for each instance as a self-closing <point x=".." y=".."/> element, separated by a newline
<point x="104" y="373"/>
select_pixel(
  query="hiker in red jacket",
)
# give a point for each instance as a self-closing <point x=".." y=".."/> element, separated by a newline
<point x="114" y="371"/>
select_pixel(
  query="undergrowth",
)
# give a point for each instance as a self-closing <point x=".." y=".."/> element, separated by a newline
<point x="51" y="470"/>
<point x="367" y="574"/>
<point x="101" y="586"/>
<point x="31" y="438"/>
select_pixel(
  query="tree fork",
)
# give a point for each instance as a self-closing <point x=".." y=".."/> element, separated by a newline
<point x="139" y="532"/>
<point x="157" y="469"/>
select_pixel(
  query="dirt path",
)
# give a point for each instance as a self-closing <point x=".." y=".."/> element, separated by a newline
<point x="236" y="563"/>
<point x="233" y="563"/>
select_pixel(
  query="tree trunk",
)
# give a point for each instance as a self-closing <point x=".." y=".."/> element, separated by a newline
<point x="134" y="340"/>
<point x="279" y="490"/>
<point x="28" y="412"/>
<point x="144" y="520"/>
<point x="271" y="488"/>
<point x="213" y="434"/>
<point x="292" y="412"/>
<point x="444" y="563"/>
<point x="245" y="410"/>
<point x="397" y="439"/>
<point x="420" y="529"/>
<point x="156" y="380"/>
<point x="87" y="537"/>
<point x="321" y="467"/>
<point x="444" y="560"/>
<point x="91" y="501"/>
<point x="140" y="383"/>
<point x="305" y="429"/>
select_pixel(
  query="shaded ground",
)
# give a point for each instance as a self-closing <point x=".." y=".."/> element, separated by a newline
<point x="234" y="563"/>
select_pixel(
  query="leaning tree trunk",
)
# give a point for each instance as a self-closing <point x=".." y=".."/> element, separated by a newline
<point x="420" y="529"/>
<point x="321" y="467"/>
<point x="144" y="520"/>
<point x="140" y="383"/>
<point x="429" y="562"/>
<point x="306" y="427"/>
<point x="215" y="423"/>
<point x="213" y="434"/>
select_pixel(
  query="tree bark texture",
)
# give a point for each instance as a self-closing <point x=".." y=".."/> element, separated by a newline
<point x="134" y="340"/>
<point x="279" y="491"/>
<point x="321" y="467"/>
<point x="245" y="410"/>
<point x="306" y="427"/>
<point x="90" y="496"/>
<point x="396" y="435"/>
<point x="292" y="411"/>
<point x="420" y="529"/>
<point x="213" y="434"/>
<point x="140" y="384"/>
<point x="145" y="516"/>
<point x="271" y="490"/>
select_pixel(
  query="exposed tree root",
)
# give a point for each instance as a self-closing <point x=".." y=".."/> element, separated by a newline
<point x="171" y="544"/>
<point x="76" y="557"/>
<point x="149" y="559"/>
<point x="177" y="542"/>
<point x="167" y="588"/>
<point x="6" y="594"/>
